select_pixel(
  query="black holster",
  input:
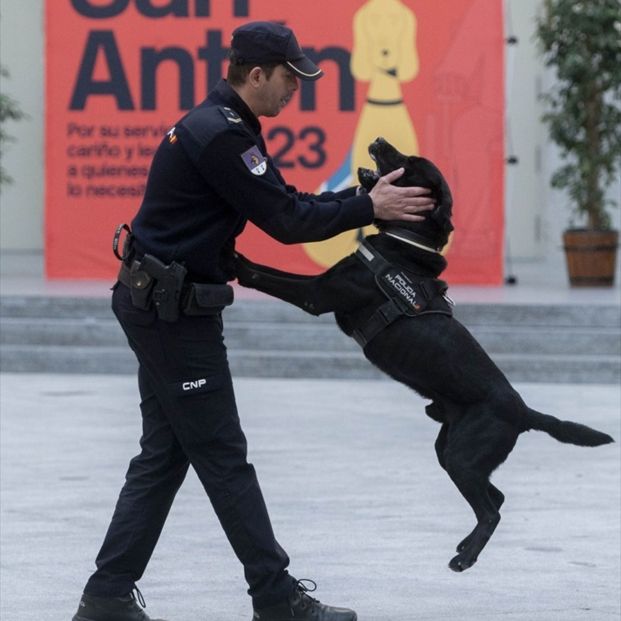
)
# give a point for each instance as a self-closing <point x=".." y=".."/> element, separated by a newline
<point x="166" y="292"/>
<point x="151" y="282"/>
<point x="194" y="299"/>
<point x="140" y="285"/>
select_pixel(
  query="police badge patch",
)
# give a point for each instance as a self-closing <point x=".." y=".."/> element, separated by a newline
<point x="255" y="161"/>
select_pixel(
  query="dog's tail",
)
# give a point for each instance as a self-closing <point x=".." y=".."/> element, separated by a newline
<point x="566" y="431"/>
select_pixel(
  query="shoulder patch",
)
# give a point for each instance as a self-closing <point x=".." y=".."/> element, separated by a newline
<point x="230" y="115"/>
<point x="255" y="161"/>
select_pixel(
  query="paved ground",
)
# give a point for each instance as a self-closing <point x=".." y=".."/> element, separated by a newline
<point x="355" y="494"/>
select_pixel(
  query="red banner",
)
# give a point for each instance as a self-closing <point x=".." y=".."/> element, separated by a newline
<point x="426" y="76"/>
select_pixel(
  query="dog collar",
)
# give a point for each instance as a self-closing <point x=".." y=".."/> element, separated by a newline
<point x="412" y="243"/>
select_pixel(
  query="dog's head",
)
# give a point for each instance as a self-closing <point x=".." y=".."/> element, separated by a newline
<point x="418" y="172"/>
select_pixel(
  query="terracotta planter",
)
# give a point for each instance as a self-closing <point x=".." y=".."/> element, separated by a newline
<point x="591" y="257"/>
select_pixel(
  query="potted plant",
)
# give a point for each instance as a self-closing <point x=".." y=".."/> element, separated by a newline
<point x="580" y="40"/>
<point x="9" y="111"/>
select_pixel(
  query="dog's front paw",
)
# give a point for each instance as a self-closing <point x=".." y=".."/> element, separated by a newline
<point x="367" y="178"/>
<point x="245" y="271"/>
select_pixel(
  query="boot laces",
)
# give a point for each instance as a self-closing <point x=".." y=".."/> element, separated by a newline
<point x="136" y="595"/>
<point x="304" y="590"/>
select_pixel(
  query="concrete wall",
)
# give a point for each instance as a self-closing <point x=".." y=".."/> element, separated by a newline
<point x="21" y="52"/>
<point x="525" y="186"/>
<point x="535" y="214"/>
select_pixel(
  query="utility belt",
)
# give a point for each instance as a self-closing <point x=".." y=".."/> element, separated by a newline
<point x="152" y="283"/>
<point x="407" y="294"/>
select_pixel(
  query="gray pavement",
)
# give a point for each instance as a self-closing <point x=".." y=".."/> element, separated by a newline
<point x="355" y="494"/>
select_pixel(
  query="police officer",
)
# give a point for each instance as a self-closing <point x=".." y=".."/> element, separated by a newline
<point x="209" y="176"/>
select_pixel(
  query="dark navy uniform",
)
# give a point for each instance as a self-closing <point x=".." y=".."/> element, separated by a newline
<point x="210" y="175"/>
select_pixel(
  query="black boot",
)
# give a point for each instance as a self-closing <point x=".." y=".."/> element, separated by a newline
<point x="301" y="607"/>
<point x="93" y="608"/>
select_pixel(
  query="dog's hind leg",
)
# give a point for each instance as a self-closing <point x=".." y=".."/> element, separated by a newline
<point x="475" y="446"/>
<point x="498" y="498"/>
<point x="473" y="486"/>
<point x="495" y="495"/>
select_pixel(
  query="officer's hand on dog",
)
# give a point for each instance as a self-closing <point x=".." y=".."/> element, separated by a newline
<point x="391" y="202"/>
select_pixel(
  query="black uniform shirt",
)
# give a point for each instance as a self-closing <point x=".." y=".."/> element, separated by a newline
<point x="210" y="175"/>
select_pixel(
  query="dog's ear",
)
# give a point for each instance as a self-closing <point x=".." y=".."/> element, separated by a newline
<point x="443" y="211"/>
<point x="407" y="68"/>
<point x="367" y="178"/>
<point x="442" y="217"/>
<point x="360" y="65"/>
<point x="432" y="178"/>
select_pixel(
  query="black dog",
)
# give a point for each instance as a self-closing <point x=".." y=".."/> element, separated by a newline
<point x="388" y="298"/>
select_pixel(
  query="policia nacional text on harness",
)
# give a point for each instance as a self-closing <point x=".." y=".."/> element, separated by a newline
<point x="155" y="284"/>
<point x="407" y="294"/>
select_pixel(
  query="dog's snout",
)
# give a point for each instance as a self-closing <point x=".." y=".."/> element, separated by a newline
<point x="376" y="146"/>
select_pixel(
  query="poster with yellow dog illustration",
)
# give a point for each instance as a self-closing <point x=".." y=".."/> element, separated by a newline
<point x="427" y="76"/>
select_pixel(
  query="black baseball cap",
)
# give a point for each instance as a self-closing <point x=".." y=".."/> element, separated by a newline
<point x="268" y="42"/>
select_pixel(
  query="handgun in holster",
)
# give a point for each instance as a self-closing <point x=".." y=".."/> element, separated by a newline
<point x="165" y="291"/>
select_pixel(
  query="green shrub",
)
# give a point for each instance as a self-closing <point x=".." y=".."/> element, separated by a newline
<point x="581" y="41"/>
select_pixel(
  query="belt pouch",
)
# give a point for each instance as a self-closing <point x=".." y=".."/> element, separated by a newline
<point x="141" y="287"/>
<point x="207" y="299"/>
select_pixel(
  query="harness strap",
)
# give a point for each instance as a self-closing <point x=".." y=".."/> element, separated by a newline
<point x="407" y="293"/>
<point x="371" y="258"/>
<point x="380" y="319"/>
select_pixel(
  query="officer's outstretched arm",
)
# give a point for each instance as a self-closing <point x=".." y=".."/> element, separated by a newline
<point x="302" y="291"/>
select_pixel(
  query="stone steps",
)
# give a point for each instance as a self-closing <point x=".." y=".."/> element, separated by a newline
<point x="91" y="332"/>
<point x="265" y="338"/>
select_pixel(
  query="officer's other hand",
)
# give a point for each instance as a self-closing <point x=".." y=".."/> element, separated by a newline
<point x="391" y="202"/>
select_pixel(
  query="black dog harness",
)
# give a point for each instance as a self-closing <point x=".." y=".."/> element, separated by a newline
<point x="408" y="294"/>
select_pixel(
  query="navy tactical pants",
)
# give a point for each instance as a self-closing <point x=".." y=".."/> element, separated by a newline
<point x="189" y="417"/>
